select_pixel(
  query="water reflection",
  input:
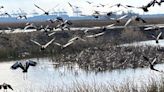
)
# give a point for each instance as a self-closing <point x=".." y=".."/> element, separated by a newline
<point x="48" y="73"/>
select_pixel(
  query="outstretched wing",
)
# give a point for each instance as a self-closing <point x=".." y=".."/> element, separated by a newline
<point x="29" y="27"/>
<point x="122" y="17"/>
<point x="130" y="6"/>
<point x="70" y="5"/>
<point x="51" y="34"/>
<point x="154" y="60"/>
<point x="159" y="35"/>
<point x="145" y="58"/>
<point x="153" y="36"/>
<point x="143" y="21"/>
<point x="128" y="22"/>
<point x="109" y="26"/>
<point x="32" y="63"/>
<point x="15" y="66"/>
<point x="96" y="35"/>
<point x="81" y="39"/>
<point x="72" y="39"/>
<point x="9" y="86"/>
<point x="67" y="44"/>
<point x="39" y="8"/>
<point x="36" y="42"/>
<point x="49" y="42"/>
<point x="58" y="44"/>
<point x="148" y="28"/>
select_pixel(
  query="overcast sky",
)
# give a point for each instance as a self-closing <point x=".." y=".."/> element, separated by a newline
<point x="58" y="5"/>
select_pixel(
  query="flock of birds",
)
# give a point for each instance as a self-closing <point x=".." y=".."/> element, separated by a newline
<point x="66" y="24"/>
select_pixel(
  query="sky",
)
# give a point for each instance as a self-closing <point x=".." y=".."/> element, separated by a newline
<point x="59" y="5"/>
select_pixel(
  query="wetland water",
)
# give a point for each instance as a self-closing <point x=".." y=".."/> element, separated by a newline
<point x="47" y="74"/>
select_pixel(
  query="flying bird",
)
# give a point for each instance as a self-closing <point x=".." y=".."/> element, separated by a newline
<point x="24" y="66"/>
<point x="45" y="12"/>
<point x="135" y="18"/>
<point x="118" y="5"/>
<point x="50" y="34"/>
<point x="71" y="41"/>
<point x="6" y="14"/>
<point x="6" y="86"/>
<point x="43" y="47"/>
<point x="157" y="38"/>
<point x="30" y="25"/>
<point x="21" y="17"/>
<point x="151" y="63"/>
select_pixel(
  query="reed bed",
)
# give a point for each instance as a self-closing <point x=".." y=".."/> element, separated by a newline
<point x="152" y="85"/>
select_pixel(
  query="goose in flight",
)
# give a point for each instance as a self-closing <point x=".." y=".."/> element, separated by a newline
<point x="101" y="5"/>
<point x="144" y="7"/>
<point x="30" y="25"/>
<point x="43" y="47"/>
<point x="45" y="12"/>
<point x="6" y="86"/>
<point x="151" y="63"/>
<point x="71" y="41"/>
<point x="157" y="38"/>
<point x="6" y="14"/>
<point x="24" y="66"/>
<point x="135" y="18"/>
<point x="22" y="17"/>
<point x="118" y="5"/>
<point x="73" y="7"/>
